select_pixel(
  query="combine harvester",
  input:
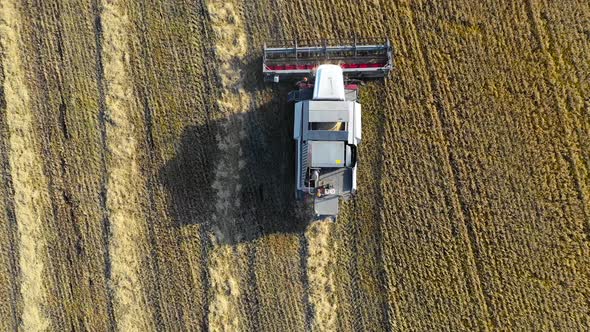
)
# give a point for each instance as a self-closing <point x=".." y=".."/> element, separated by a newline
<point x="327" y="125"/>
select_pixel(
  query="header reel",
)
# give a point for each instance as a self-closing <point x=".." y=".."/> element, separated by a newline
<point x="295" y="59"/>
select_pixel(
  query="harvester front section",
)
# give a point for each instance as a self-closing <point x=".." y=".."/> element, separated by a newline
<point x="327" y="124"/>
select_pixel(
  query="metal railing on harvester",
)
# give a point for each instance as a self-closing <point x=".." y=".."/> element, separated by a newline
<point x="359" y="58"/>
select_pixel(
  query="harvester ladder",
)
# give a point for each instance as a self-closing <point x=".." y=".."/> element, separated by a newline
<point x="304" y="161"/>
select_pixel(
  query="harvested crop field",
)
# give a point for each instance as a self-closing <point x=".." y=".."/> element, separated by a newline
<point x="147" y="171"/>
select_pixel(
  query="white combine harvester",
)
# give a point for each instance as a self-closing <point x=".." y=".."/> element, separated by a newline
<point x="327" y="125"/>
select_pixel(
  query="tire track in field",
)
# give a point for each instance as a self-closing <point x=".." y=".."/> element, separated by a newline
<point x="31" y="199"/>
<point x="105" y="227"/>
<point x="124" y="181"/>
<point x="303" y="262"/>
<point x="230" y="50"/>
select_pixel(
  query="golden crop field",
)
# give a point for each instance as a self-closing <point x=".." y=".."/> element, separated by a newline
<point x="147" y="171"/>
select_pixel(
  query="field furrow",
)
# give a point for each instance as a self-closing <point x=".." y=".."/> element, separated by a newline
<point x="169" y="54"/>
<point x="66" y="103"/>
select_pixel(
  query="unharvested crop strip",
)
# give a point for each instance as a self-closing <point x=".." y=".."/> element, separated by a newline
<point x="31" y="199"/>
<point x="124" y="182"/>
<point x="453" y="172"/>
<point x="383" y="276"/>
<point x="553" y="74"/>
<point x="510" y="205"/>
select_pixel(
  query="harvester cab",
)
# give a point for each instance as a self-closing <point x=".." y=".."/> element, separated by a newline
<point x="327" y="121"/>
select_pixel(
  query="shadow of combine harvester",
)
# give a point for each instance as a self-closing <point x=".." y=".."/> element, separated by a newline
<point x="264" y="182"/>
<point x="258" y="197"/>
